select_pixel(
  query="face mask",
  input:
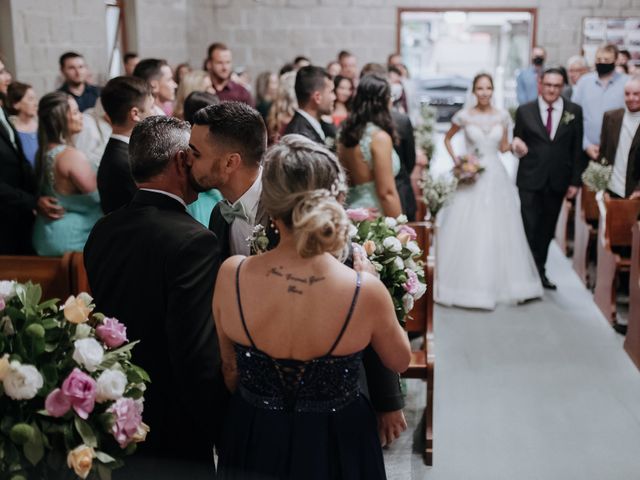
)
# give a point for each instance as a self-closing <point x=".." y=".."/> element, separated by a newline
<point x="396" y="91"/>
<point x="604" y="68"/>
<point x="538" y="61"/>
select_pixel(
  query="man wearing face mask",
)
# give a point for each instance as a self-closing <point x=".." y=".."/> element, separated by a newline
<point x="598" y="92"/>
<point x="527" y="81"/>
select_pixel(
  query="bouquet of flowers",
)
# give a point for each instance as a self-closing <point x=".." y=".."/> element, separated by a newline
<point x="597" y="175"/>
<point x="436" y="192"/>
<point x="390" y="245"/>
<point x="468" y="170"/>
<point x="71" y="400"/>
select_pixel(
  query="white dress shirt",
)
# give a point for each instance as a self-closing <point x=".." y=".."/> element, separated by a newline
<point x="314" y="123"/>
<point x="168" y="194"/>
<point x="240" y="229"/>
<point x="556" y="114"/>
<point x="122" y="138"/>
<point x="630" y="124"/>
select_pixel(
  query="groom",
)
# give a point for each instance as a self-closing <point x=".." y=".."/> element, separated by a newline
<point x="548" y="141"/>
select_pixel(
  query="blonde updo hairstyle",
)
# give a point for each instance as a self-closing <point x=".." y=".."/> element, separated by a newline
<point x="302" y="185"/>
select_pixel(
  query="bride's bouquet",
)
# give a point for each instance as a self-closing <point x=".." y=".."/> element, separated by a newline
<point x="436" y="192"/>
<point x="390" y="244"/>
<point x="597" y="175"/>
<point x="71" y="400"/>
<point x="468" y="170"/>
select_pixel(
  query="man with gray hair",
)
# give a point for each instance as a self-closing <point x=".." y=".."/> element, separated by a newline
<point x="576" y="67"/>
<point x="152" y="266"/>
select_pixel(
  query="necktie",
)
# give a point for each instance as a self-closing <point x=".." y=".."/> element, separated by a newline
<point x="549" y="121"/>
<point x="231" y="212"/>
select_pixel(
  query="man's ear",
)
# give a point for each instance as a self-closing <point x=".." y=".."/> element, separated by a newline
<point x="182" y="163"/>
<point x="134" y="115"/>
<point x="155" y="86"/>
<point x="234" y="161"/>
<point x="317" y="97"/>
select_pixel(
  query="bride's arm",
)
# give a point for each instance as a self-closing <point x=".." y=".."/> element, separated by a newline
<point x="505" y="146"/>
<point x="455" y="128"/>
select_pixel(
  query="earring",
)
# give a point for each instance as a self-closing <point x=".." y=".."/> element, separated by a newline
<point x="273" y="226"/>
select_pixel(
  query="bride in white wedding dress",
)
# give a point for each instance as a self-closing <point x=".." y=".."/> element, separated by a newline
<point x="482" y="253"/>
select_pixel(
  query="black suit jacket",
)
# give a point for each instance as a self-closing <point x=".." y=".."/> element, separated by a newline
<point x="406" y="150"/>
<point x="301" y="126"/>
<point x="17" y="196"/>
<point x="153" y="267"/>
<point x="556" y="163"/>
<point x="383" y="384"/>
<point x="609" y="138"/>
<point x="115" y="183"/>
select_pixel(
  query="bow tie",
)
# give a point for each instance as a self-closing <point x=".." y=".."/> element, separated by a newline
<point x="231" y="212"/>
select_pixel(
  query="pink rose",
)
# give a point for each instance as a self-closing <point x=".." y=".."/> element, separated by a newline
<point x="359" y="214"/>
<point x="80" y="390"/>
<point x="412" y="284"/>
<point x="128" y="419"/>
<point x="57" y="403"/>
<point x="408" y="230"/>
<point x="112" y="332"/>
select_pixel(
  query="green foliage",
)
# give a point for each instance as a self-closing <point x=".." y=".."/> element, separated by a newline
<point x="597" y="175"/>
<point x="424" y="129"/>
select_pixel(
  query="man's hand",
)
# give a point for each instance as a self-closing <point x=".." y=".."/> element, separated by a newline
<point x="360" y="261"/>
<point x="572" y="191"/>
<point x="518" y="147"/>
<point x="593" y="151"/>
<point x="390" y="426"/>
<point x="634" y="195"/>
<point x="48" y="207"/>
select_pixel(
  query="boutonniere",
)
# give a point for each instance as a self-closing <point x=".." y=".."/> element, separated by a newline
<point x="567" y="117"/>
<point x="258" y="241"/>
<point x="329" y="142"/>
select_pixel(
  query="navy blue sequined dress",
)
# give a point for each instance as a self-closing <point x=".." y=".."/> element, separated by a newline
<point x="292" y="419"/>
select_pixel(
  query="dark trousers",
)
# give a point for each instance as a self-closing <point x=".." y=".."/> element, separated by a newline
<point x="540" y="210"/>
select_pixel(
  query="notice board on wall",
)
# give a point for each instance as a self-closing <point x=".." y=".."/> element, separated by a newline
<point x="623" y="32"/>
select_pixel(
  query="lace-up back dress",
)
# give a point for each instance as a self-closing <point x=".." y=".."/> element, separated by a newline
<point x="295" y="419"/>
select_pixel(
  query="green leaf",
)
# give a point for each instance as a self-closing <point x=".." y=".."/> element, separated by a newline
<point x="34" y="449"/>
<point x="86" y="432"/>
<point x="135" y="393"/>
<point x="49" y="305"/>
<point x="112" y="357"/>
<point x="104" y="457"/>
<point x="49" y="323"/>
<point x="142" y="372"/>
<point x="50" y="375"/>
<point x="104" y="472"/>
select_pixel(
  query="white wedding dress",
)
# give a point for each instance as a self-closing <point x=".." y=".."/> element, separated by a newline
<point x="482" y="254"/>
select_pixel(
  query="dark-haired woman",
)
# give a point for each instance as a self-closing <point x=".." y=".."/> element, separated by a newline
<point x="344" y="92"/>
<point x="23" y="105"/>
<point x="64" y="173"/>
<point x="366" y="149"/>
<point x="483" y="255"/>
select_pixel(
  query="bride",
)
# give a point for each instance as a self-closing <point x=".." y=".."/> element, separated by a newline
<point x="483" y="255"/>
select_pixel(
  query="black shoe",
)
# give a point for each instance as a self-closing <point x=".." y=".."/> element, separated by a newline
<point x="621" y="329"/>
<point x="546" y="283"/>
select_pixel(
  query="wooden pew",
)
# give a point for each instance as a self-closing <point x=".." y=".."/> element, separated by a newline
<point x="562" y="225"/>
<point x="632" y="340"/>
<point x="78" y="275"/>
<point x="422" y="364"/>
<point x="52" y="273"/>
<point x="617" y="217"/>
<point x="584" y="232"/>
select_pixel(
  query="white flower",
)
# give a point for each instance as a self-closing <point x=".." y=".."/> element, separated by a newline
<point x="413" y="247"/>
<point x="111" y="385"/>
<point x="88" y="353"/>
<point x="85" y="297"/>
<point x="82" y="331"/>
<point x="398" y="264"/>
<point x="392" y="244"/>
<point x="6" y="326"/>
<point x="7" y="289"/>
<point x="390" y="222"/>
<point x="402" y="219"/>
<point x="353" y="231"/>
<point x="422" y="289"/>
<point x="22" y="382"/>
<point x="411" y="264"/>
<point x="407" y="302"/>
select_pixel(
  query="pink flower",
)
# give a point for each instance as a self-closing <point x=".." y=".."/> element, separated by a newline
<point x="412" y="284"/>
<point x="80" y="390"/>
<point x="407" y="229"/>
<point x="128" y="419"/>
<point x="2" y="303"/>
<point x="112" y="332"/>
<point x="57" y="403"/>
<point x="359" y="214"/>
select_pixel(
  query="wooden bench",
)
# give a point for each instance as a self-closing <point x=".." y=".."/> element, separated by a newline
<point x="421" y="322"/>
<point x="632" y="341"/>
<point x="584" y="232"/>
<point x="78" y="275"/>
<point x="51" y="273"/>
<point x="617" y="217"/>
<point x="562" y="225"/>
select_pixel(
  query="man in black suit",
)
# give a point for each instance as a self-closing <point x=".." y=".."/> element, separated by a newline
<point x="127" y="101"/>
<point x="228" y="141"/>
<point x="151" y="265"/>
<point x="548" y="140"/>
<point x="315" y="94"/>
<point x="18" y="191"/>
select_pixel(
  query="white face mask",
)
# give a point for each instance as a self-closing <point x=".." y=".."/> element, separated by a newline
<point x="396" y="91"/>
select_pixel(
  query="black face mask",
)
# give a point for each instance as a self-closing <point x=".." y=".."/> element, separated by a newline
<point x="605" y="68"/>
<point x="538" y="61"/>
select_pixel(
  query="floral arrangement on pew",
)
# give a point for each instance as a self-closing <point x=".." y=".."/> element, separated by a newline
<point x="597" y="175"/>
<point x="437" y="192"/>
<point x="70" y="397"/>
<point x="390" y="244"/>
<point x="468" y="170"/>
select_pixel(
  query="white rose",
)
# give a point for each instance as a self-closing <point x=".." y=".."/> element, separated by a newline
<point x="88" y="353"/>
<point x="390" y="222"/>
<point x="407" y="302"/>
<point x="413" y="247"/>
<point x="410" y="264"/>
<point x="353" y="231"/>
<point x="111" y="385"/>
<point x="7" y="289"/>
<point x="402" y="219"/>
<point x="22" y="382"/>
<point x="422" y="289"/>
<point x="392" y="244"/>
<point x="398" y="264"/>
<point x="82" y="331"/>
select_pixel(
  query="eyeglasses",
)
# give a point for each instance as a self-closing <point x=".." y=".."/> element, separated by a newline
<point x="552" y="85"/>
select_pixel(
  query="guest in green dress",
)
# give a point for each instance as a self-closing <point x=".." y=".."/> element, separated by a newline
<point x="64" y="173"/>
<point x="365" y="148"/>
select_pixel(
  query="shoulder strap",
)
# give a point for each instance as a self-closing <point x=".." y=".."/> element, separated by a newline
<point x="346" y="322"/>
<point x="365" y="143"/>
<point x="244" y="324"/>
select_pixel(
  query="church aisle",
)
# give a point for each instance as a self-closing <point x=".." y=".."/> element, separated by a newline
<point x="541" y="391"/>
